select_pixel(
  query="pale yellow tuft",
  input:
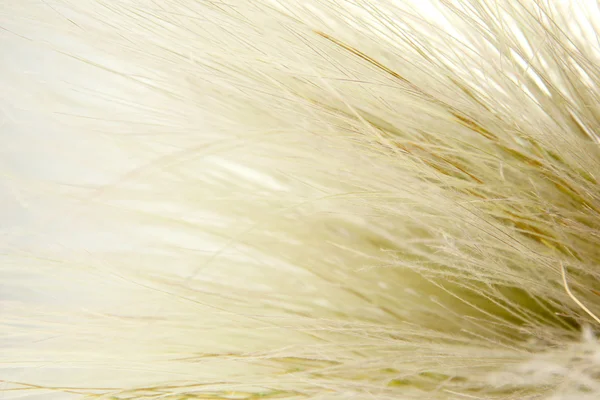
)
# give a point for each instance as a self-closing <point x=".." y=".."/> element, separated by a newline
<point x="312" y="199"/>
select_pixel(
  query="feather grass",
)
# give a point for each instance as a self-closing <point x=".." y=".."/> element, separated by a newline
<point x="326" y="199"/>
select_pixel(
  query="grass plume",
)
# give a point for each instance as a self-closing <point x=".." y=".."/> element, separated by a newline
<point x="320" y="199"/>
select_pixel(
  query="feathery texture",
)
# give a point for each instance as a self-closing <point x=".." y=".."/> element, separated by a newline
<point x="320" y="199"/>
